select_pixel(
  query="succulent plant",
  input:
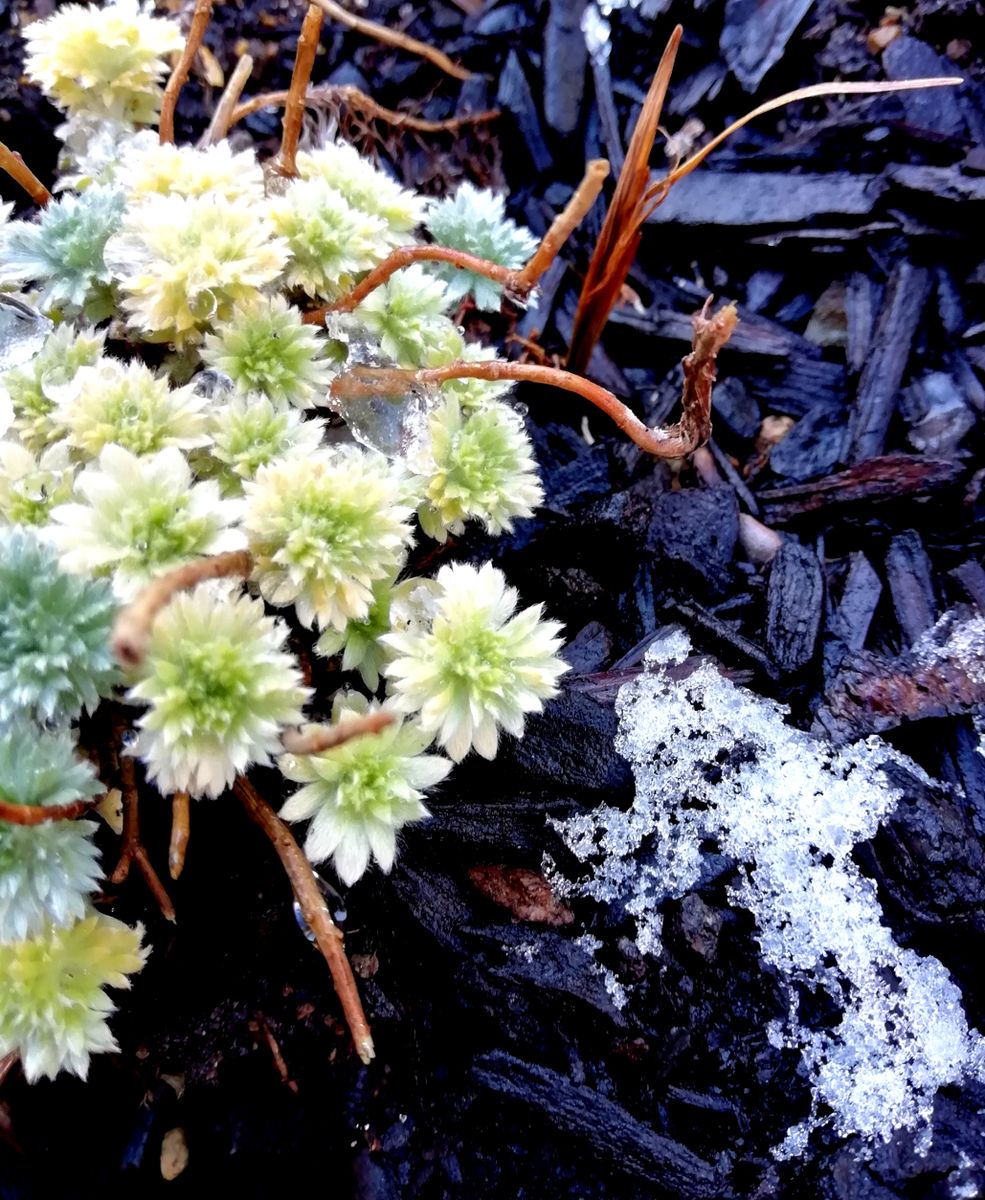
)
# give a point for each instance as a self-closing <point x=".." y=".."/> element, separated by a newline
<point x="407" y="315"/>
<point x="477" y="665"/>
<point x="474" y="220"/>
<point x="140" y="516"/>
<point x="357" y="796"/>
<point x="330" y="243"/>
<point x="220" y="690"/>
<point x="484" y="470"/>
<point x="184" y="262"/>
<point x="250" y="432"/>
<point x="104" y="62"/>
<point x="64" y="251"/>
<point x="323" y="530"/>
<point x="46" y="870"/>
<point x="35" y="388"/>
<point x="30" y="486"/>
<point x="55" y="659"/>
<point x="364" y="188"/>
<point x="129" y="406"/>
<point x="53" y="1008"/>
<point x="265" y="348"/>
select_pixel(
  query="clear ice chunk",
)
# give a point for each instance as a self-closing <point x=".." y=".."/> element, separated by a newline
<point x="22" y="331"/>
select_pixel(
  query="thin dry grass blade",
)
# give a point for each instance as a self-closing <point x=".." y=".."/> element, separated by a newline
<point x="658" y="190"/>
<point x="620" y="236"/>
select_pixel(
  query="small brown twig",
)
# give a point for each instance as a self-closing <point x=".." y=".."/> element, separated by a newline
<point x="133" y="850"/>
<point x="131" y="630"/>
<point x="180" y="832"/>
<point x="327" y="934"/>
<point x="564" y="224"/>
<point x="392" y="37"/>
<point x="7" y="1064"/>
<point x="21" y="173"/>
<point x="675" y="441"/>
<point x="325" y="737"/>
<point x="403" y="256"/>
<point x="37" y="814"/>
<point x="328" y="94"/>
<point x="517" y="283"/>
<point x="304" y="60"/>
<point x="222" y="118"/>
<point x="277" y="1054"/>
<point x="200" y="21"/>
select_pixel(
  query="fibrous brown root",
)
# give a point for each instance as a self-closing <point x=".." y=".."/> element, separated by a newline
<point x="326" y="95"/>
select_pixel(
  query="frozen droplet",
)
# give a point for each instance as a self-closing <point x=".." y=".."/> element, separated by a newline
<point x="302" y="923"/>
<point x="22" y="331"/>
<point x="213" y="385"/>
<point x="397" y="426"/>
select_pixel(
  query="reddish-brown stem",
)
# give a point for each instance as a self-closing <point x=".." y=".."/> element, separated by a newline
<point x="694" y="427"/>
<point x="327" y="934"/>
<point x="325" y="737"/>
<point x="37" y="814"/>
<point x="133" y="850"/>
<point x="7" y="1064"/>
<point x="21" y="173"/>
<point x="200" y="21"/>
<point x="131" y="629"/>
<point x="279" y="1061"/>
<point x="516" y="282"/>
<point x="328" y="94"/>
<point x="403" y="256"/>
<point x="222" y="118"/>
<point x="180" y="832"/>
<point x="304" y="60"/>
<point x="392" y="37"/>
<point x="564" y="224"/>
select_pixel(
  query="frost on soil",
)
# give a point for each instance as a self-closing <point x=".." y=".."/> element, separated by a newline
<point x="713" y="761"/>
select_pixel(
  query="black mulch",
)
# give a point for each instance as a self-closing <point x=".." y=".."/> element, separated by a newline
<point x="848" y="232"/>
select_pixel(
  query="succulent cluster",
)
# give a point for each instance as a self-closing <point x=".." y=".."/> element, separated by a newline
<point x="168" y="415"/>
<point x="56" y="955"/>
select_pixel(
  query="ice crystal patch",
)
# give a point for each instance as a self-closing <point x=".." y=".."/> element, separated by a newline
<point x="714" y="761"/>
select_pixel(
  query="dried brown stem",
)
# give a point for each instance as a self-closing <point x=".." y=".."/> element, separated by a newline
<point x="328" y="94"/>
<point x="325" y="737"/>
<point x="21" y="173"/>
<point x="294" y="107"/>
<point x="517" y="283"/>
<point x="222" y="118"/>
<point x="620" y="236"/>
<point x="694" y="427"/>
<point x="327" y="934"/>
<point x="133" y="850"/>
<point x="392" y="37"/>
<point x="7" y="1064"/>
<point x="180" y="832"/>
<point x="279" y="1061"/>
<point x="564" y="224"/>
<point x="403" y="256"/>
<point x="200" y="21"/>
<point x="132" y="627"/>
<point x="38" y="814"/>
